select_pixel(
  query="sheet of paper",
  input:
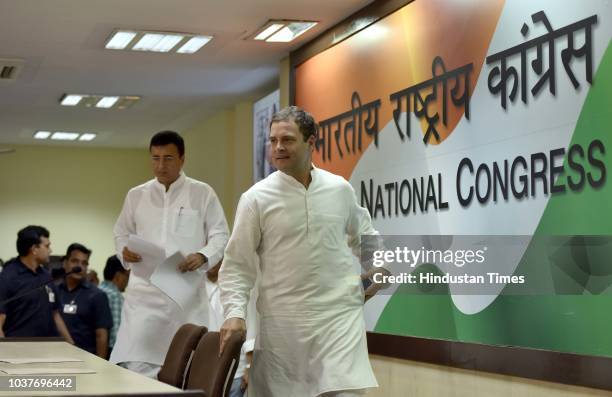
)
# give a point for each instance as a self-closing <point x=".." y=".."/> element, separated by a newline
<point x="152" y="255"/>
<point x="31" y="360"/>
<point x="180" y="287"/>
<point x="46" y="370"/>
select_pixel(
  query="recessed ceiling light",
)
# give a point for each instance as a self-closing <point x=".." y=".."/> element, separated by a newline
<point x="157" y="42"/>
<point x="126" y="102"/>
<point x="65" y="136"/>
<point x="71" y="100"/>
<point x="100" y="101"/>
<point x="167" y="43"/>
<point x="107" y="102"/>
<point x="290" y="32"/>
<point x="282" y="30"/>
<point x="194" y="44"/>
<point x="267" y="32"/>
<point x="148" y="41"/>
<point x="42" y="134"/>
<point x="87" y="137"/>
<point x="284" y="35"/>
<point x="183" y="43"/>
<point x="120" y="40"/>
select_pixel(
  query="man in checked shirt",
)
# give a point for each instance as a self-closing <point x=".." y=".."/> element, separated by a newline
<point x="115" y="280"/>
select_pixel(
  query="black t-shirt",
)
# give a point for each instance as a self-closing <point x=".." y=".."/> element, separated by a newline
<point x="32" y="314"/>
<point x="84" y="309"/>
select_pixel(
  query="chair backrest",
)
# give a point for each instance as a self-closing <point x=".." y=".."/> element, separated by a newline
<point x="176" y="364"/>
<point x="210" y="372"/>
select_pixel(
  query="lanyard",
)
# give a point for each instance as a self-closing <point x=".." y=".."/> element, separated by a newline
<point x="74" y="298"/>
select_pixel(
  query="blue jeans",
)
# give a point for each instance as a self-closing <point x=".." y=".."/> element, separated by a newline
<point x="235" y="389"/>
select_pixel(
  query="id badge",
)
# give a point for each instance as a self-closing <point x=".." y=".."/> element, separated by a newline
<point x="70" y="309"/>
<point x="51" y="294"/>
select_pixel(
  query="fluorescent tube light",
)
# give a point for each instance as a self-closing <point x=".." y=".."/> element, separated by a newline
<point x="87" y="137"/>
<point x="71" y="100"/>
<point x="107" y="102"/>
<point x="120" y="40"/>
<point x="65" y="136"/>
<point x="138" y="40"/>
<point x="148" y="42"/>
<point x="42" y="134"/>
<point x="194" y="44"/>
<point x="290" y="32"/>
<point x="267" y="32"/>
<point x="284" y="35"/>
<point x="167" y="43"/>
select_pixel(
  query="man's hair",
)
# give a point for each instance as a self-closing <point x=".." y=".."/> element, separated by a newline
<point x="113" y="265"/>
<point x="304" y="120"/>
<point x="163" y="138"/>
<point x="29" y="236"/>
<point x="77" y="247"/>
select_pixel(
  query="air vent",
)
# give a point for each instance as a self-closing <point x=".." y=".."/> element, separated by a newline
<point x="10" y="69"/>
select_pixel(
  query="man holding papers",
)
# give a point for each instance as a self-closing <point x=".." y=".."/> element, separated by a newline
<point x="184" y="218"/>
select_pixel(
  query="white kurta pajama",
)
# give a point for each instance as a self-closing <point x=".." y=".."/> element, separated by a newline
<point x="312" y="336"/>
<point x="189" y="218"/>
<point x="216" y="318"/>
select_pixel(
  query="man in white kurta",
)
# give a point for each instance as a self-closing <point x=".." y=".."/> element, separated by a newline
<point x="180" y="214"/>
<point x="294" y="225"/>
<point x="216" y="318"/>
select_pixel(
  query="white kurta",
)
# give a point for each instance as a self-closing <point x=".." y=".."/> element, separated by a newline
<point x="216" y="319"/>
<point x="312" y="335"/>
<point x="188" y="217"/>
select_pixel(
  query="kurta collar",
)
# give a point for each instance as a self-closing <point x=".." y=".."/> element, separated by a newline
<point x="291" y="180"/>
<point x="180" y="181"/>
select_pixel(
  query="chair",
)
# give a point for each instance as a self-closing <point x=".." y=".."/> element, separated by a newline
<point x="210" y="372"/>
<point x="176" y="364"/>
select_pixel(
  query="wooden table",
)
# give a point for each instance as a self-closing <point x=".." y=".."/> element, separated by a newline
<point x="109" y="379"/>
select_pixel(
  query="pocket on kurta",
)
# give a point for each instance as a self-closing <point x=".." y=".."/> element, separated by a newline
<point x="185" y="222"/>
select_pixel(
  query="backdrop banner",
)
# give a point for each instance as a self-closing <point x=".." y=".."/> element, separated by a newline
<point x="481" y="118"/>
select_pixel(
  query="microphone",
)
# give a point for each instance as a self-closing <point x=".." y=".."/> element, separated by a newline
<point x="56" y="274"/>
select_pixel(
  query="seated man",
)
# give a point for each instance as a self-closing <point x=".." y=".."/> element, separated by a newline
<point x="84" y="307"/>
<point x="28" y="299"/>
<point x="115" y="280"/>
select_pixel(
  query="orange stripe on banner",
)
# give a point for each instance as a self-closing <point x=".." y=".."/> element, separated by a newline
<point x="393" y="54"/>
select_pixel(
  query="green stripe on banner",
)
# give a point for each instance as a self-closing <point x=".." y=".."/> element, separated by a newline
<point x="577" y="323"/>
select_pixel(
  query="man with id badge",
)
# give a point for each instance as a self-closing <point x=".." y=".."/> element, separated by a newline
<point x="84" y="307"/>
<point x="28" y="298"/>
<point x="177" y="213"/>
